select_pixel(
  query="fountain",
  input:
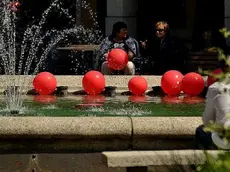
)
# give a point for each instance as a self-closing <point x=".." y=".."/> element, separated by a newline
<point x="29" y="55"/>
<point x="40" y="143"/>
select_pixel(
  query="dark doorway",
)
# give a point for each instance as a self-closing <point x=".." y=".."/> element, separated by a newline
<point x="209" y="17"/>
<point x="149" y="12"/>
<point x="101" y="14"/>
<point x="208" y="14"/>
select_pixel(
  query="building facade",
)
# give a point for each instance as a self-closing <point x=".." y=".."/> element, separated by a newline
<point x="189" y="19"/>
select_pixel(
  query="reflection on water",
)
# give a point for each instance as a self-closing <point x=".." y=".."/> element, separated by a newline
<point x="110" y="106"/>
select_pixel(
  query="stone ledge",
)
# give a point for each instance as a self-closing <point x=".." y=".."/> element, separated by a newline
<point x="83" y="134"/>
<point x="165" y="126"/>
<point x="98" y="127"/>
<point x="65" y="127"/>
<point x="74" y="82"/>
<point x="155" y="158"/>
<point x="81" y="48"/>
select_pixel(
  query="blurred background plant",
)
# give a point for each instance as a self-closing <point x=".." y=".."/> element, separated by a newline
<point x="221" y="56"/>
<point x="207" y="35"/>
<point x="221" y="163"/>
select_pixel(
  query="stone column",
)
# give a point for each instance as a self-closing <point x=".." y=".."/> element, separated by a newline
<point x="227" y="17"/>
<point x="121" y="10"/>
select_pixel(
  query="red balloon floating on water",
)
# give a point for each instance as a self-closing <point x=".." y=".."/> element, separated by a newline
<point x="211" y="79"/>
<point x="138" y="85"/>
<point x="117" y="59"/>
<point x="171" y="82"/>
<point x="192" y="84"/>
<point x="93" y="82"/>
<point x="45" y="83"/>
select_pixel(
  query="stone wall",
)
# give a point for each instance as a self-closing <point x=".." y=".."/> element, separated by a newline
<point x="75" y="143"/>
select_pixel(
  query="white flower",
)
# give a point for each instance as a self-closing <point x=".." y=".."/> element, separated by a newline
<point x="227" y="125"/>
<point x="220" y="142"/>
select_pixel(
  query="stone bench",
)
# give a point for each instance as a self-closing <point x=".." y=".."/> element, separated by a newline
<point x="81" y="48"/>
<point x="75" y="59"/>
<point x="203" y="60"/>
<point x="139" y="161"/>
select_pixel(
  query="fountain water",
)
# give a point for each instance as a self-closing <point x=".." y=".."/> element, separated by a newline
<point x="19" y="57"/>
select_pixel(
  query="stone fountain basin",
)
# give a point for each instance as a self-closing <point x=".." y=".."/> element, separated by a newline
<point x="76" y="143"/>
<point x="69" y="143"/>
<point x="87" y="134"/>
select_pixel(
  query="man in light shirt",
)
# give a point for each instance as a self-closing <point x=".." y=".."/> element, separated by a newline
<point x="216" y="108"/>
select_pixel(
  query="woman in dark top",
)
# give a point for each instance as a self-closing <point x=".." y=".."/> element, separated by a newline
<point x="167" y="52"/>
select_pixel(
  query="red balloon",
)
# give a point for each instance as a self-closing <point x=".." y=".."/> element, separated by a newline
<point x="192" y="84"/>
<point x="93" y="82"/>
<point x="117" y="59"/>
<point x="45" y="83"/>
<point x="171" y="82"/>
<point x="211" y="79"/>
<point x="138" y="85"/>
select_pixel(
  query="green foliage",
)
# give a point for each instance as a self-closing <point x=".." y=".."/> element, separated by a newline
<point x="218" y="164"/>
<point x="225" y="32"/>
<point x="222" y="162"/>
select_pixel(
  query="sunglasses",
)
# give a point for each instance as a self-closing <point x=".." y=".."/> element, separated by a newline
<point x="160" y="30"/>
